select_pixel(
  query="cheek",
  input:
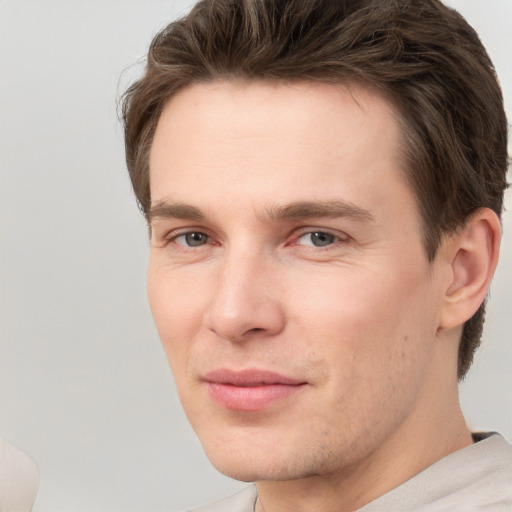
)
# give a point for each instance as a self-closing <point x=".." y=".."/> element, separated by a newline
<point x="377" y="324"/>
<point x="373" y="341"/>
<point x="177" y="304"/>
<point x="352" y="301"/>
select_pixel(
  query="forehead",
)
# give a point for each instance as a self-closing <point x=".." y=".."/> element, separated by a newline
<point x="279" y="141"/>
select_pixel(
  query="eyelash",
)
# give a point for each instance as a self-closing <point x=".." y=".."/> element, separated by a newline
<point x="175" y="235"/>
<point x="338" y="238"/>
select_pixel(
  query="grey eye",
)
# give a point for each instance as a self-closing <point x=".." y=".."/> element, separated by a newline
<point x="318" y="239"/>
<point x="321" y="239"/>
<point x="194" y="239"/>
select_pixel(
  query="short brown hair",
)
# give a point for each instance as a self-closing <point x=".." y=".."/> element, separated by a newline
<point x="421" y="54"/>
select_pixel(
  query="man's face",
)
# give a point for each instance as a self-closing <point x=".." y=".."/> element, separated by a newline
<point x="287" y="276"/>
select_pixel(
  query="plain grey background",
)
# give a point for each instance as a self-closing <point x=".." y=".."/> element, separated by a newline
<point x="84" y="384"/>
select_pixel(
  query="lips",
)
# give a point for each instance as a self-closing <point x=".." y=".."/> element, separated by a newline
<point x="250" y="390"/>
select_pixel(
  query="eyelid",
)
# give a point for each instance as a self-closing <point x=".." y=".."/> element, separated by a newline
<point x="186" y="231"/>
<point x="171" y="235"/>
<point x="340" y="235"/>
<point x="317" y="229"/>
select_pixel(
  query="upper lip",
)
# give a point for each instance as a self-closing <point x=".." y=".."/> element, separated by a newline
<point x="249" y="377"/>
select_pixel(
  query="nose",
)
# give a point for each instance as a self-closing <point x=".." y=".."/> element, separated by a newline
<point x="245" y="302"/>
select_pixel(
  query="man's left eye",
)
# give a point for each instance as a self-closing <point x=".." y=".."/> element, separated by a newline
<point x="317" y="239"/>
<point x="192" y="239"/>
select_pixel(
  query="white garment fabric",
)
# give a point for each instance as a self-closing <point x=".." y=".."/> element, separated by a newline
<point x="243" y="501"/>
<point x="19" y="479"/>
<point x="477" y="478"/>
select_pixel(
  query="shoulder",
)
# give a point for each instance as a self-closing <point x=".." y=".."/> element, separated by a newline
<point x="242" y="501"/>
<point x="476" y="478"/>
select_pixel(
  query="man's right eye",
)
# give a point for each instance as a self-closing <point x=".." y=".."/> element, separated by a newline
<point x="192" y="239"/>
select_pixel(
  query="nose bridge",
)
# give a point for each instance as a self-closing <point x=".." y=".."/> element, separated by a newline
<point x="244" y="301"/>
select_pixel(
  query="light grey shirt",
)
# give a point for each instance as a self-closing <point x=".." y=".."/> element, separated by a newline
<point x="476" y="478"/>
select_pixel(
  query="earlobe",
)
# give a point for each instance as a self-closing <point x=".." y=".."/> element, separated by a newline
<point x="473" y="254"/>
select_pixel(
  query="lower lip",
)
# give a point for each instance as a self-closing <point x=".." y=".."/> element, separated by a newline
<point x="256" y="398"/>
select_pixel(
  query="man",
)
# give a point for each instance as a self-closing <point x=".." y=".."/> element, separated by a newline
<point x="323" y="183"/>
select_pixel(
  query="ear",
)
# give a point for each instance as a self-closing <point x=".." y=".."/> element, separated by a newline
<point x="472" y="257"/>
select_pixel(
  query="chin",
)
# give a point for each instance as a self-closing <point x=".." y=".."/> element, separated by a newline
<point x="253" y="464"/>
<point x="246" y="471"/>
<point x="248" y="464"/>
<point x="249" y="472"/>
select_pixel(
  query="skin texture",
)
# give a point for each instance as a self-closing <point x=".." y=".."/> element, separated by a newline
<point x="357" y="315"/>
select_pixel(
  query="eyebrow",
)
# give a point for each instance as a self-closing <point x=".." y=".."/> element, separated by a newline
<point x="165" y="210"/>
<point x="308" y="209"/>
<point x="293" y="211"/>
